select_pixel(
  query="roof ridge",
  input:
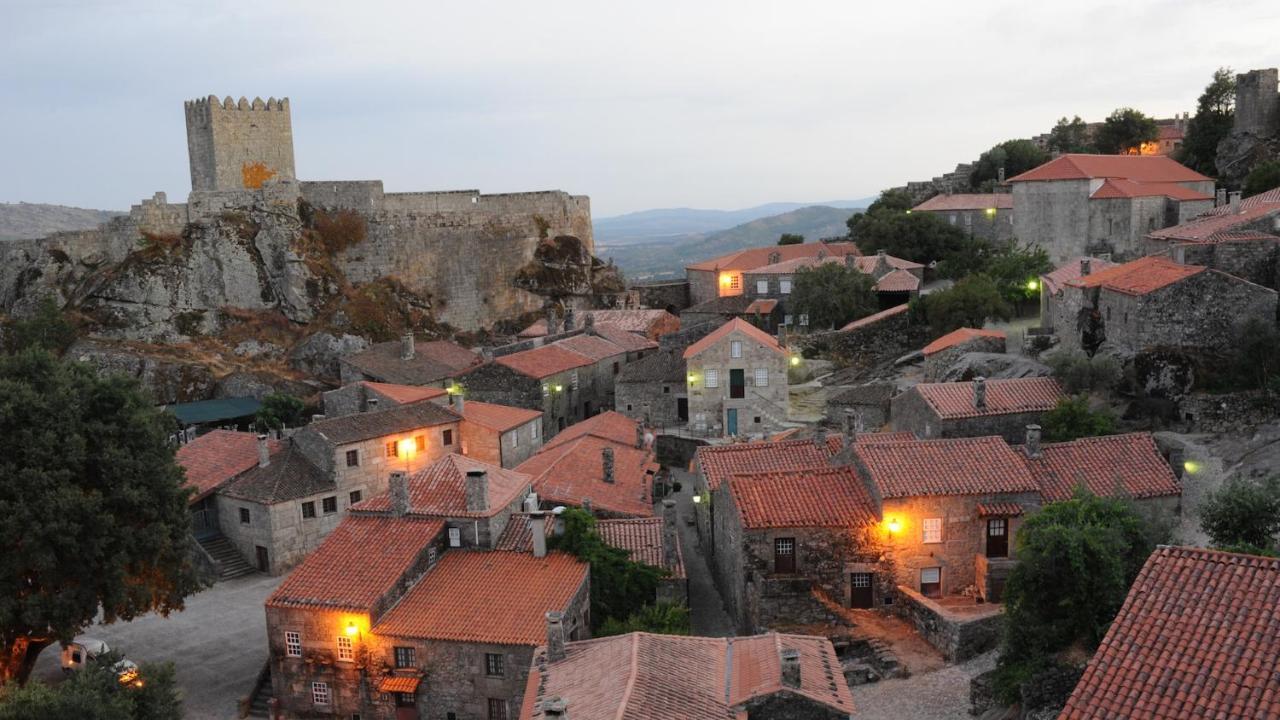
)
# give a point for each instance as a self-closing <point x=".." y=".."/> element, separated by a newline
<point x="631" y="676"/>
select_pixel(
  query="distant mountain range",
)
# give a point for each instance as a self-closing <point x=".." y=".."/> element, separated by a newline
<point x="36" y="220"/>
<point x="649" y="226"/>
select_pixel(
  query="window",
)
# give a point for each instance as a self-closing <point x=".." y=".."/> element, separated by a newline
<point x="353" y="458"/>
<point x="762" y="377"/>
<point x="762" y="287"/>
<point x="712" y="378"/>
<point x="292" y="643"/>
<point x="308" y="509"/>
<point x="420" y="442"/>
<point x="784" y="555"/>
<point x="497" y="709"/>
<point x="391" y="449"/>
<point x="952" y="218"/>
<point x="968" y="220"/>
<point x="355" y="716"/>
<point x="616" y="368"/>
<point x="406" y="657"/>
<point x="546" y="390"/>
<point x="329" y="505"/>
<point x="344" y="648"/>
<point x="756" y="419"/>
<point x="320" y="693"/>
<point x="804" y="319"/>
<point x="735" y="349"/>
<point x="455" y="537"/>
<point x="573" y="380"/>
<point x="932" y="530"/>
<point x="494" y="664"/>
<point x="406" y="699"/>
<point x="446" y="438"/>
<point x="244" y="516"/>
<point x="786" y="320"/>
<point x="515" y="437"/>
<point x="735" y="281"/>
<point x="784" y="285"/>
<point x="666" y="389"/>
<point x="533" y="431"/>
<point x="931" y="582"/>
<point x="354" y="497"/>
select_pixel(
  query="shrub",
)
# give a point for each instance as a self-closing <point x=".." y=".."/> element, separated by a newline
<point x="1244" y="516"/>
<point x="968" y="303"/>
<point x="1080" y="373"/>
<point x="1073" y="419"/>
<point x="664" y="618"/>
<point x="620" y="587"/>
<point x="279" y="411"/>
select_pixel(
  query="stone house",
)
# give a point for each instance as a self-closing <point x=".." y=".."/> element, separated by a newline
<point x="893" y="276"/>
<point x="653" y="390"/>
<point x="406" y="362"/>
<point x="1259" y="213"/>
<point x="645" y="322"/>
<point x="1155" y="302"/>
<point x="1053" y="284"/>
<point x="988" y="216"/>
<point x="869" y="404"/>
<point x="364" y="395"/>
<point x="498" y="434"/>
<point x="766" y="314"/>
<point x="1128" y="466"/>
<point x="737" y="382"/>
<point x="210" y="461"/>
<point x="548" y="378"/>
<point x="723" y="276"/>
<point x="943" y="352"/>
<point x="975" y="408"/>
<point x="643" y="675"/>
<point x="1079" y="204"/>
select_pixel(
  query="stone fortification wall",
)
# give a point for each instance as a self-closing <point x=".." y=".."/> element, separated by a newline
<point x="1257" y="103"/>
<point x="235" y="145"/>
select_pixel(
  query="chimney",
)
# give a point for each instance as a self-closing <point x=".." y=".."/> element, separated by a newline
<point x="317" y="417"/>
<point x="399" y="493"/>
<point x="406" y="346"/>
<point x="850" y="260"/>
<point x="586" y="505"/>
<point x="551" y="321"/>
<point x="670" y="553"/>
<point x="639" y="436"/>
<point x="589" y="323"/>
<point x="459" y="405"/>
<point x="264" y="453"/>
<point x="555" y="636"/>
<point x="881" y="252"/>
<point x="1000" y="175"/>
<point x="850" y="427"/>
<point x="775" y="258"/>
<point x="531" y="502"/>
<point x="371" y="405"/>
<point x="1033" y="441"/>
<point x="1086" y="266"/>
<point x="1220" y="197"/>
<point x="606" y="460"/>
<point x="1233" y="199"/>
<point x="554" y="708"/>
<point x="568" y="319"/>
<point x="980" y="392"/>
<point x="1178" y="462"/>
<point x="790" y="667"/>
<point x="477" y="491"/>
<point x="820" y="439"/>
<point x="538" y="527"/>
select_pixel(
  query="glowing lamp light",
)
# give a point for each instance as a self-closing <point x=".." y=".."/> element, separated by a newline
<point x="893" y="526"/>
<point x="692" y="377"/>
<point x="1033" y="284"/>
<point x="1191" y="466"/>
<point x="697" y="499"/>
<point x="559" y="388"/>
<point x="725" y="278"/>
<point x="991" y="211"/>
<point x="351" y="628"/>
<point x="908" y="212"/>
<point x="795" y="360"/>
<point x="408" y="448"/>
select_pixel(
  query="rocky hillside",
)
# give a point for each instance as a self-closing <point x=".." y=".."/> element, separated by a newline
<point x="34" y="220"/>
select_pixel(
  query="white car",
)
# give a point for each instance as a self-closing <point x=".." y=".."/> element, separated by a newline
<point x="79" y="653"/>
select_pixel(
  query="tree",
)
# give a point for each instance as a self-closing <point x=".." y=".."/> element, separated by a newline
<point x="1079" y="372"/>
<point x="790" y="239"/>
<point x="279" y="411"/>
<point x="1215" y="113"/>
<point x="1244" y="516"/>
<point x="664" y="618"/>
<point x="1070" y="136"/>
<point x="1124" y="131"/>
<point x="832" y="295"/>
<point x="1071" y="418"/>
<point x="620" y="587"/>
<point x="968" y="303"/>
<point x="1015" y="156"/>
<point x="922" y="237"/>
<point x="1016" y="271"/>
<point x="1263" y="177"/>
<point x="48" y="328"/>
<point x="94" y="693"/>
<point x="1076" y="561"/>
<point x="95" y="514"/>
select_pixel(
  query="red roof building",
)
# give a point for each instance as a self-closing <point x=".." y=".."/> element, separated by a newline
<point x="959" y="466"/>
<point x="960" y="337"/>
<point x="545" y="361"/>
<point x="975" y="408"/>
<point x="440" y="490"/>
<point x="715" y="464"/>
<point x="213" y="459"/>
<point x="966" y="201"/>
<point x="1126" y="465"/>
<point x="875" y="318"/>
<point x="1138" y="277"/>
<point x="612" y="426"/>
<point x="576" y="471"/>
<point x="1073" y="269"/>
<point x="830" y="497"/>
<point x="1138" y="168"/>
<point x="735" y="325"/>
<point x="1258" y="212"/>
<point x="723" y="276"/>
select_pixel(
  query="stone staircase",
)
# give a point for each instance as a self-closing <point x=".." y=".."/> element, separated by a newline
<point x="230" y="562"/>
<point x="260" y="699"/>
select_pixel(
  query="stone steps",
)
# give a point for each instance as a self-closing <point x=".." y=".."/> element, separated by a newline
<point x="231" y="563"/>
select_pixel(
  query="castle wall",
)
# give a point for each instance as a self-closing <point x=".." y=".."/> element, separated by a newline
<point x="233" y="146"/>
<point x="1257" y="103"/>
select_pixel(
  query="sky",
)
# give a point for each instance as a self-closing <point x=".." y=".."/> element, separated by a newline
<point x="694" y="103"/>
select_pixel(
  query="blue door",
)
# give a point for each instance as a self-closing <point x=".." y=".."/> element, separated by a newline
<point x="731" y="421"/>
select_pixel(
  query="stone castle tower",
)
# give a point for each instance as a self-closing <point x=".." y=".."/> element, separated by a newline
<point x="238" y="145"/>
<point x="1257" y="103"/>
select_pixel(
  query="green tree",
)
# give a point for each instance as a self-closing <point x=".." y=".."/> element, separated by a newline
<point x="1124" y="131"/>
<point x="1244" y="516"/>
<point x="1076" y="561"/>
<point x="1015" y="156"/>
<point x="620" y="587"/>
<point x="1215" y="113"/>
<point x="790" y="239"/>
<point x="1070" y="136"/>
<point x="1071" y="418"/>
<point x="48" y="328"/>
<point x="1263" y="177"/>
<point x="1016" y="271"/>
<point x="94" y="693"/>
<point x="968" y="303"/>
<point x="832" y="295"/>
<point x="1079" y="373"/>
<point x="922" y="237"/>
<point x="279" y="411"/>
<point x="663" y="618"/>
<point x="95" y="514"/>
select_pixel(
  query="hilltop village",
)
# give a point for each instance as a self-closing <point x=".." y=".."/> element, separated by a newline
<point x="994" y="453"/>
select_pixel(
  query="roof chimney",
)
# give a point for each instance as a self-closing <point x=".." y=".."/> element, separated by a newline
<point x="538" y="527"/>
<point x="459" y="405"/>
<point x="554" y="708"/>
<point x="980" y="392"/>
<point x="639" y="436"/>
<point x="371" y="405"/>
<point x="1233" y="199"/>
<point x="1033" y="441"/>
<point x="406" y="346"/>
<point x="670" y="554"/>
<point x="850" y="427"/>
<point x="775" y="257"/>
<point x="606" y="460"/>
<point x="399" y="493"/>
<point x="264" y="452"/>
<point x="820" y="439"/>
<point x="850" y="260"/>
<point x="317" y="417"/>
<point x="568" y="319"/>
<point x="586" y="504"/>
<point x="790" y="658"/>
<point x="1000" y="175"/>
<point x="477" y="491"/>
<point x="555" y="636"/>
<point x="551" y="321"/>
<point x="1086" y="266"/>
<point x="1220" y="197"/>
<point x="589" y="323"/>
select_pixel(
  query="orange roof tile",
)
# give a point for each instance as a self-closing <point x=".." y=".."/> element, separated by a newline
<point x="357" y="563"/>
<point x="898" y="281"/>
<point x="959" y="337"/>
<point x="1141" y="168"/>
<point x="218" y="456"/>
<point x="1113" y="188"/>
<point x="1197" y="637"/>
<point x="967" y="201"/>
<point x="1127" y="465"/>
<point x="517" y="536"/>
<point x="570" y="471"/>
<point x="735" y="325"/>
<point x="1222" y="218"/>
<point x="1070" y="270"/>
<point x="404" y="394"/>
<point x="1004" y="396"/>
<point x="1138" y="277"/>
<point x="864" y="263"/>
<point x="592" y="346"/>
<point x="958" y="466"/>
<point x="812" y="497"/>
<point x="643" y="539"/>
<point x="399" y="683"/>
<point x="763" y="306"/>
<point x="999" y="509"/>
<point x="544" y="361"/>
<point x="497" y="417"/>
<point x="752" y="258"/>
<point x="610" y="425"/>
<point x="875" y="318"/>
<point x="459" y="599"/>
<point x="720" y="462"/>
<point x="440" y="489"/>
<point x="625" y="339"/>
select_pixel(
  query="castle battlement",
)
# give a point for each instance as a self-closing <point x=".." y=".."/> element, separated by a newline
<point x="237" y="145"/>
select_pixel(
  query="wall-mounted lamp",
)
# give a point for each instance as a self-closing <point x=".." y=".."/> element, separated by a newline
<point x="795" y="360"/>
<point x="697" y="499"/>
<point x="352" y="628"/>
<point x="893" y="526"/>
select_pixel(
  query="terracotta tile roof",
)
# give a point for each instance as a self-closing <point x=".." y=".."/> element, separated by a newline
<point x="759" y="257"/>
<point x="1196" y="638"/>
<point x="1169" y="132"/>
<point x="1142" y="168"/>
<point x="737" y="325"/>
<point x="596" y="348"/>
<point x="808" y="498"/>
<point x="642" y="537"/>
<point x="999" y="509"/>
<point x="958" y="466"/>
<point x="864" y="263"/>
<point x="875" y="318"/>
<point x="898" y="281"/>
<point x="785" y="434"/>
<point x="1004" y="396"/>
<point x="967" y="201"/>
<point x="459" y="598"/>
<point x="399" y="683"/>
<point x="641" y="676"/>
<point x="1113" y="188"/>
<point x="517" y="536"/>
<point x="431" y="362"/>
<point x="720" y="462"/>
<point x="610" y="425"/>
<point x="405" y="394"/>
<point x="381" y="423"/>
<point x="362" y="559"/>
<point x="625" y="339"/>
<point x="289" y="476"/>
<point x="959" y="337"/>
<point x="763" y="306"/>
<point x="440" y="489"/>
<point x="1222" y="218"/>
<point x="638" y="321"/>
<point x="1227" y="236"/>
<point x="497" y="417"/>
<point x="1070" y="270"/>
<point x="570" y="471"/>
<point x="544" y="361"/>
<point x="217" y="456"/>
<point x="1138" y="277"/>
<point x="1127" y="465"/>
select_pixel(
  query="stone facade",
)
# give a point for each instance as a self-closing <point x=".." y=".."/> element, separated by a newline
<point x="911" y="413"/>
<point x="1257" y="110"/>
<point x="672" y="296"/>
<point x="507" y="449"/>
<point x="496" y="383"/>
<point x="1253" y="259"/>
<point x="236" y="146"/>
<point x="279" y="529"/>
<point x="978" y="222"/>
<point x="870" y="404"/>
<point x="957" y="635"/>
<point x="654" y="389"/>
<point x="761" y="409"/>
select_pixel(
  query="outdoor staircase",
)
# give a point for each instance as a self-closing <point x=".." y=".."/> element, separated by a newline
<point x="230" y="562"/>
<point x="260" y="700"/>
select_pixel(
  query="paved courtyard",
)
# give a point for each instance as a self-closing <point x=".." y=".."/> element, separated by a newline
<point x="217" y="645"/>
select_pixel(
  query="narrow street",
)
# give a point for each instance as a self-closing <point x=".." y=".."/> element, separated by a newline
<point x="706" y="609"/>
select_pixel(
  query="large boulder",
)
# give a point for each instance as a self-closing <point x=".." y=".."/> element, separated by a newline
<point x="169" y="380"/>
<point x="992" y="365"/>
<point x="318" y="354"/>
<point x="258" y="385"/>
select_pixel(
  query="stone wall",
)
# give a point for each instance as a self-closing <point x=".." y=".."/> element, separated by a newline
<point x="1053" y="216"/>
<point x="1240" y="412"/>
<point x="709" y="407"/>
<point x="280" y="528"/>
<point x="658" y="402"/>
<point x="997" y="227"/>
<point x="670" y="296"/>
<point x="495" y="383"/>
<point x="1199" y="312"/>
<point x="911" y="413"/>
<point x="704" y="285"/>
<point x="1257" y="110"/>
<point x="958" y="637"/>
<point x="868" y="346"/>
<point x="238" y="145"/>
<point x="676" y="451"/>
<point x="1252" y="260"/>
<point x="937" y="363"/>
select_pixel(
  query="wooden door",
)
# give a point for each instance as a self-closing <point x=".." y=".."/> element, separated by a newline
<point x="731" y="421"/>
<point x="737" y="383"/>
<point x="406" y="706"/>
<point x="784" y="556"/>
<point x="263" y="563"/>
<point x="682" y="409"/>
<point x="861" y="595"/>
<point x="997" y="537"/>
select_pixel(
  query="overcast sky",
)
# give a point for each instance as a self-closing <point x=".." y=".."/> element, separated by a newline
<point x="637" y="104"/>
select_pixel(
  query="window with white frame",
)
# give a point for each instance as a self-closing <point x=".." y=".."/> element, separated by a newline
<point x="784" y="286"/>
<point x="711" y="378"/>
<point x="320" y="693"/>
<point x="345" y="653"/>
<point x="932" y="530"/>
<point x="515" y="438"/>
<point x="573" y="380"/>
<point x="762" y="377"/>
<point x="735" y="349"/>
<point x="786" y="319"/>
<point x="533" y="431"/>
<point x="292" y="643"/>
<point x="804" y="319"/>
<point x="931" y="581"/>
<point x="762" y="287"/>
